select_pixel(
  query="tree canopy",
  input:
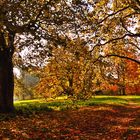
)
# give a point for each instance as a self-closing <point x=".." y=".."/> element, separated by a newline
<point x="32" y="30"/>
<point x="101" y="23"/>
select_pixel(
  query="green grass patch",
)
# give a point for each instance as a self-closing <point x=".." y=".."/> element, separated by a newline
<point x="38" y="105"/>
<point x="133" y="99"/>
<point x="31" y="106"/>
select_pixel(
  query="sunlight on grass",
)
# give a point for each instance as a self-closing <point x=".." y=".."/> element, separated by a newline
<point x="62" y="103"/>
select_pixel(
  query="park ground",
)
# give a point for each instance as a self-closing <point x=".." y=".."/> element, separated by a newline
<point x="99" y="118"/>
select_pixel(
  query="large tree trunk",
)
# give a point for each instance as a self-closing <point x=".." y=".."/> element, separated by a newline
<point x="6" y="77"/>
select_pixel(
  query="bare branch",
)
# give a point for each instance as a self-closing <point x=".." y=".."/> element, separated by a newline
<point x="116" y="55"/>
<point x="110" y="15"/>
<point x="134" y="45"/>
<point x="123" y="57"/>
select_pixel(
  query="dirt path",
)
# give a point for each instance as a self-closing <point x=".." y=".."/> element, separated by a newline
<point x="88" y="123"/>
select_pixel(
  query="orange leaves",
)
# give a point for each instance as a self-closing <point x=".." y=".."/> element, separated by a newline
<point x="68" y="71"/>
<point x="133" y="81"/>
<point x="113" y="88"/>
<point x="96" y="122"/>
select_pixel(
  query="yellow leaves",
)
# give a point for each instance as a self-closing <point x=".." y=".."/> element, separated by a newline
<point x="117" y="4"/>
<point x="51" y="28"/>
<point x="117" y="61"/>
<point x="68" y="70"/>
<point x="102" y="3"/>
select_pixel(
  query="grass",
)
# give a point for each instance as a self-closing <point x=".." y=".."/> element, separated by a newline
<point x="62" y="103"/>
<point x="134" y="99"/>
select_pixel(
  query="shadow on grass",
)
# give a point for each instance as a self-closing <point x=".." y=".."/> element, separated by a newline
<point x="26" y="111"/>
<point x="36" y="107"/>
<point x="135" y="100"/>
<point x="104" y="100"/>
<point x="27" y="108"/>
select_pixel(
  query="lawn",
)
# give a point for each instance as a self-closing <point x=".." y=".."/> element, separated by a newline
<point x="62" y="103"/>
<point x="99" y="118"/>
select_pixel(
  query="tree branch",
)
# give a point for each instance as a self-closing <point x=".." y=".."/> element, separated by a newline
<point x="116" y="55"/>
<point x="113" y="14"/>
<point x="115" y="39"/>
<point x="123" y="57"/>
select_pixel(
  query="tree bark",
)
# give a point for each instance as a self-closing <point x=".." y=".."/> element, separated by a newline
<point x="6" y="76"/>
<point x="123" y="90"/>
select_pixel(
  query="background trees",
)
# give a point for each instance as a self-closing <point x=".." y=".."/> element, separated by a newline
<point x="76" y="72"/>
<point x="25" y="82"/>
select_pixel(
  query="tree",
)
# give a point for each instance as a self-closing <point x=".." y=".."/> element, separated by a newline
<point x="14" y="19"/>
<point x="35" y="20"/>
<point x="123" y="74"/>
<point x="69" y="72"/>
<point x="27" y="23"/>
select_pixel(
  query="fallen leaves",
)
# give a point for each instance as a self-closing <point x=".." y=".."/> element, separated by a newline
<point x="96" y="122"/>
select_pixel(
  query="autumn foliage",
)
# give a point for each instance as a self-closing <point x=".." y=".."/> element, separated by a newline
<point x="85" y="44"/>
<point x="77" y="73"/>
<point x="68" y="72"/>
